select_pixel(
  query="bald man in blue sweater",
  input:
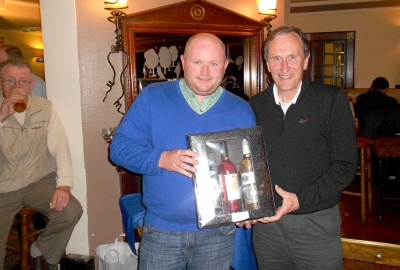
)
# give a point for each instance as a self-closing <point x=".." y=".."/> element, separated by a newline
<point x="151" y="140"/>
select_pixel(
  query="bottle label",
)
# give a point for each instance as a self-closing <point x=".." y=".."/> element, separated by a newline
<point x="232" y="186"/>
<point x="248" y="178"/>
<point x="249" y="190"/>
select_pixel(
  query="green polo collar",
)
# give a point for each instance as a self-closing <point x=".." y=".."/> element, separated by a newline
<point x="191" y="98"/>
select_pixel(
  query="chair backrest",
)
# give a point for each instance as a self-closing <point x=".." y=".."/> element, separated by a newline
<point x="382" y="123"/>
<point x="133" y="213"/>
<point x="389" y="128"/>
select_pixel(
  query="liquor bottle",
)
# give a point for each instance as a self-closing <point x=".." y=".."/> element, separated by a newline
<point x="229" y="181"/>
<point x="247" y="178"/>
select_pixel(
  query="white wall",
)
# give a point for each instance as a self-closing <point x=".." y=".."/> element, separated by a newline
<point x="377" y="39"/>
<point x="63" y="89"/>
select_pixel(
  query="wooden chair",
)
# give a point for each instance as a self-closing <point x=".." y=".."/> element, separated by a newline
<point x="365" y="173"/>
<point x="385" y="148"/>
<point x="26" y="234"/>
<point x="383" y="126"/>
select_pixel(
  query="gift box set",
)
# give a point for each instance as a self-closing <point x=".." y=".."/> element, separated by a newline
<point x="232" y="182"/>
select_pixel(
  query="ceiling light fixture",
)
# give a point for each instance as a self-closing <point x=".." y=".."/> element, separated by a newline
<point x="2" y="4"/>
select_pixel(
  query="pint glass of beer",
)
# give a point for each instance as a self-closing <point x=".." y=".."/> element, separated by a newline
<point x="20" y="105"/>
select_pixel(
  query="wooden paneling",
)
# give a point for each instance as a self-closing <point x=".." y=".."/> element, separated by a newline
<point x="130" y="182"/>
<point x="372" y="252"/>
<point x="195" y="16"/>
<point x="331" y="6"/>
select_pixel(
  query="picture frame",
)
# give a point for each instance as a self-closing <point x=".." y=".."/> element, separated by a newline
<point x="211" y="209"/>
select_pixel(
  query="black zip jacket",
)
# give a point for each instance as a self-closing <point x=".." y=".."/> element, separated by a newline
<point x="312" y="149"/>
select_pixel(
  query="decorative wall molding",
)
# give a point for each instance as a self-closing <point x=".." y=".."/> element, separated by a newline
<point x="314" y="7"/>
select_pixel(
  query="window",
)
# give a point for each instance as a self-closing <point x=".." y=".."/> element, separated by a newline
<point x="332" y="58"/>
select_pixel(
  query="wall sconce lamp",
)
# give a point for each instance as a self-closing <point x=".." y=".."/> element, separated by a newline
<point x="116" y="15"/>
<point x="268" y="9"/>
<point x="2" y="4"/>
<point x="39" y="55"/>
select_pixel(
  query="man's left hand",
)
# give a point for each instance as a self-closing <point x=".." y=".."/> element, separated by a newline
<point x="60" y="198"/>
<point x="289" y="203"/>
<point x="248" y="223"/>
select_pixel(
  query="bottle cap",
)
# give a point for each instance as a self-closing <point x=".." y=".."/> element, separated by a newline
<point x="223" y="146"/>
<point x="245" y="147"/>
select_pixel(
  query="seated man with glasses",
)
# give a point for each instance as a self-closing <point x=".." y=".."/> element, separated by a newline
<point x="8" y="51"/>
<point x="35" y="165"/>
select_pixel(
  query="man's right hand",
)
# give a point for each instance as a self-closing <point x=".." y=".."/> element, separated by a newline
<point x="179" y="161"/>
<point x="6" y="108"/>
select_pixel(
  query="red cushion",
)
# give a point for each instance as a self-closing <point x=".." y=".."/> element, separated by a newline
<point x="364" y="142"/>
<point x="387" y="147"/>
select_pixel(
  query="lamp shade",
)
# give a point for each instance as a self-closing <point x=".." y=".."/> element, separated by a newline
<point x="2" y="4"/>
<point x="116" y="4"/>
<point x="266" y="6"/>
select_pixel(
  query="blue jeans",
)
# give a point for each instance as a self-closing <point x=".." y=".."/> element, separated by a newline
<point x="206" y="249"/>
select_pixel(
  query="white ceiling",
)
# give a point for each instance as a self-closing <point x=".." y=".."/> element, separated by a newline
<point x="21" y="14"/>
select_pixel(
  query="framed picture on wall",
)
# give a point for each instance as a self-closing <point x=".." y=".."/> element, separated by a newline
<point x="157" y="59"/>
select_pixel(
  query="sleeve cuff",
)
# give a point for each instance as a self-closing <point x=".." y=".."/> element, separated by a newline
<point x="65" y="182"/>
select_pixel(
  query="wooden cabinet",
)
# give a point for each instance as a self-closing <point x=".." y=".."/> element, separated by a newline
<point x="371" y="252"/>
<point x="130" y="182"/>
<point x="174" y="24"/>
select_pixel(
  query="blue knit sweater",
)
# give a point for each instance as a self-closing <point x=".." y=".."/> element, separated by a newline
<point x="159" y="119"/>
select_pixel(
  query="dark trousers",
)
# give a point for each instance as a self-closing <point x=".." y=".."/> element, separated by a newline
<point x="309" y="241"/>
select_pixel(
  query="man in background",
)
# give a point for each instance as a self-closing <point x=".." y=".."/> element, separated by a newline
<point x="8" y="51"/>
<point x="375" y="99"/>
<point x="35" y="165"/>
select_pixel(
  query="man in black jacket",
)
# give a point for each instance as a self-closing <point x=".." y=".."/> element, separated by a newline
<point x="312" y="152"/>
<point x="374" y="99"/>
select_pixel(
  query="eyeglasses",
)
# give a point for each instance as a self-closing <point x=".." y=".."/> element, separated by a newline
<point x="12" y="82"/>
